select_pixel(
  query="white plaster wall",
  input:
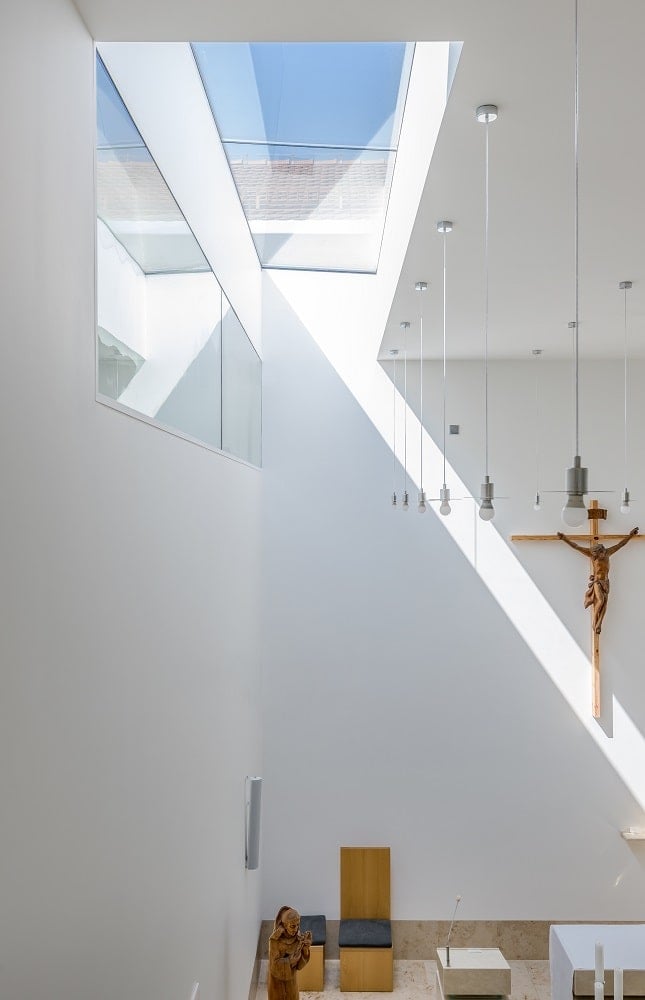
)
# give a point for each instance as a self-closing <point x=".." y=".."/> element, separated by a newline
<point x="129" y="712"/>
<point x="402" y="706"/>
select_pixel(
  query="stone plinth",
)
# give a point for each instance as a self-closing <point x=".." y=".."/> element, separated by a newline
<point x="473" y="972"/>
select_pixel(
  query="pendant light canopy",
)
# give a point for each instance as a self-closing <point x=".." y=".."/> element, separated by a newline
<point x="421" y="287"/>
<point x="624" y="286"/>
<point x="574" y="511"/>
<point x="485" y="114"/>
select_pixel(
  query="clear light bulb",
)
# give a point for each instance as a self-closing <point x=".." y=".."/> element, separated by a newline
<point x="445" y="508"/>
<point x="574" y="512"/>
<point x="537" y="505"/>
<point x="486" y="510"/>
<point x="486" y="495"/>
<point x="406" y="503"/>
<point x="624" y="503"/>
<point x="444" y="496"/>
<point x="422" y="502"/>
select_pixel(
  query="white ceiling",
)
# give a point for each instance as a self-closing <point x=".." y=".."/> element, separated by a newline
<point x="520" y="56"/>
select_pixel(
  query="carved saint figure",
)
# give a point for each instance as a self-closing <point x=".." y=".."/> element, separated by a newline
<point x="597" y="592"/>
<point x="289" y="950"/>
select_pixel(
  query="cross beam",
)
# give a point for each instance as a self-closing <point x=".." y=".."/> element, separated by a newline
<point x="598" y="588"/>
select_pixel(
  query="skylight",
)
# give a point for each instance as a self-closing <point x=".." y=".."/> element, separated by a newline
<point x="133" y="200"/>
<point x="311" y="132"/>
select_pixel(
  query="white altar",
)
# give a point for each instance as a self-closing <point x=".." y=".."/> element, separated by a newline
<point x="572" y="954"/>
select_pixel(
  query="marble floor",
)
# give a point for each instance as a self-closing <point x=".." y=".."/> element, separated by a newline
<point x="417" y="980"/>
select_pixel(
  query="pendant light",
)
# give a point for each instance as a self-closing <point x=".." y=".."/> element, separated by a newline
<point x="394" y="354"/>
<point x="624" y="504"/>
<point x="421" y="286"/>
<point x="444" y="227"/>
<point x="537" y="354"/>
<point x="574" y="512"/>
<point x="485" y="114"/>
<point x="405" y="503"/>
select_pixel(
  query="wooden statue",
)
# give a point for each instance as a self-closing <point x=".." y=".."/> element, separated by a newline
<point x="597" y="592"/>
<point x="289" y="950"/>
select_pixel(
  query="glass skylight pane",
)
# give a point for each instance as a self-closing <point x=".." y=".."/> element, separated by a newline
<point x="113" y="123"/>
<point x="344" y="94"/>
<point x="310" y="131"/>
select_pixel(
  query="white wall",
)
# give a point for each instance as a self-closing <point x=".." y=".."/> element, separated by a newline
<point x="402" y="706"/>
<point x="129" y="713"/>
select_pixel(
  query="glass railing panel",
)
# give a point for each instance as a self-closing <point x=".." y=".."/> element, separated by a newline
<point x="241" y="390"/>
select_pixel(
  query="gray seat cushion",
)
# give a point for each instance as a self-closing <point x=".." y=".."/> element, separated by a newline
<point x="365" y="934"/>
<point x="317" y="925"/>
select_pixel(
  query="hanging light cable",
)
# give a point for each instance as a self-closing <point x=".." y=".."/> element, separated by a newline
<point x="421" y="286"/>
<point x="624" y="504"/>
<point x="444" y="227"/>
<point x="394" y="354"/>
<point x="405" y="504"/>
<point x="574" y="511"/>
<point x="486" y="113"/>
<point x="537" y="354"/>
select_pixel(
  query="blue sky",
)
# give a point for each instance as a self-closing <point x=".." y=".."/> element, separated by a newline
<point x="335" y="94"/>
<point x="113" y="122"/>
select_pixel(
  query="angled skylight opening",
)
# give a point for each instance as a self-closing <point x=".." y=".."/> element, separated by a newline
<point x="133" y="200"/>
<point x="311" y="132"/>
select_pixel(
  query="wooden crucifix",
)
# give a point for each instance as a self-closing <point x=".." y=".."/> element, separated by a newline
<point x="597" y="592"/>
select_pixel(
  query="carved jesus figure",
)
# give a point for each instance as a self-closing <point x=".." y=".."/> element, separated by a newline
<point x="597" y="592"/>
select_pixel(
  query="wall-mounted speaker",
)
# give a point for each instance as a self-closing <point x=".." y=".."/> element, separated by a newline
<point x="253" y="803"/>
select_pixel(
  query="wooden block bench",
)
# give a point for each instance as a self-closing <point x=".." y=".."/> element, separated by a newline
<point x="312" y="977"/>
